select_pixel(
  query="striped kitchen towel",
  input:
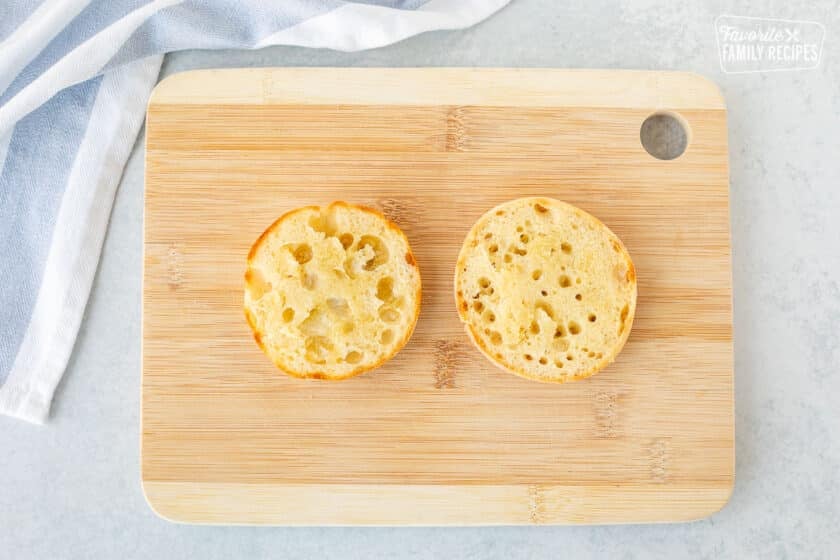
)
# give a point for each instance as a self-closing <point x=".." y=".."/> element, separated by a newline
<point x="75" y="76"/>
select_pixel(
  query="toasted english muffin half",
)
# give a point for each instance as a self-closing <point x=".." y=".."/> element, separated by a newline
<point x="545" y="290"/>
<point x="331" y="292"/>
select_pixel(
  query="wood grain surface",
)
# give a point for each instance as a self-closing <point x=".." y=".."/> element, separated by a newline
<point x="437" y="435"/>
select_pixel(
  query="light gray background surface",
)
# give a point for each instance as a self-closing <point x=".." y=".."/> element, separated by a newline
<point x="71" y="489"/>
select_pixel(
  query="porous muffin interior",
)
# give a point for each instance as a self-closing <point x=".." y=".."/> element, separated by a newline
<point x="331" y="292"/>
<point x="545" y="290"/>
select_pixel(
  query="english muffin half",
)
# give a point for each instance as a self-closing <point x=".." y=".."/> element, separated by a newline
<point x="545" y="290"/>
<point x="331" y="292"/>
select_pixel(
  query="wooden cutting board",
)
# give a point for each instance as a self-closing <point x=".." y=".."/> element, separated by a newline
<point x="438" y="435"/>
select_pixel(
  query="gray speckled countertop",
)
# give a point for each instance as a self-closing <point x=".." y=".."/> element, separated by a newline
<point x="71" y="489"/>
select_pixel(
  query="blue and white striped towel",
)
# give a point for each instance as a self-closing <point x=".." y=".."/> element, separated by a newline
<point x="74" y="79"/>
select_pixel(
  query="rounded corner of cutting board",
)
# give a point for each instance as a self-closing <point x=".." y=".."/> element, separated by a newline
<point x="166" y="501"/>
<point x="180" y="84"/>
<point x="152" y="498"/>
<point x="708" y="88"/>
<point x="712" y="507"/>
<point x="158" y="506"/>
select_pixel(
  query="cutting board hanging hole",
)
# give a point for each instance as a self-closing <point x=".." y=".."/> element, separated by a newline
<point x="664" y="135"/>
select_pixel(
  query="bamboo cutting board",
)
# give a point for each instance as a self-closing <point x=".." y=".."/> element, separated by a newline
<point x="437" y="435"/>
